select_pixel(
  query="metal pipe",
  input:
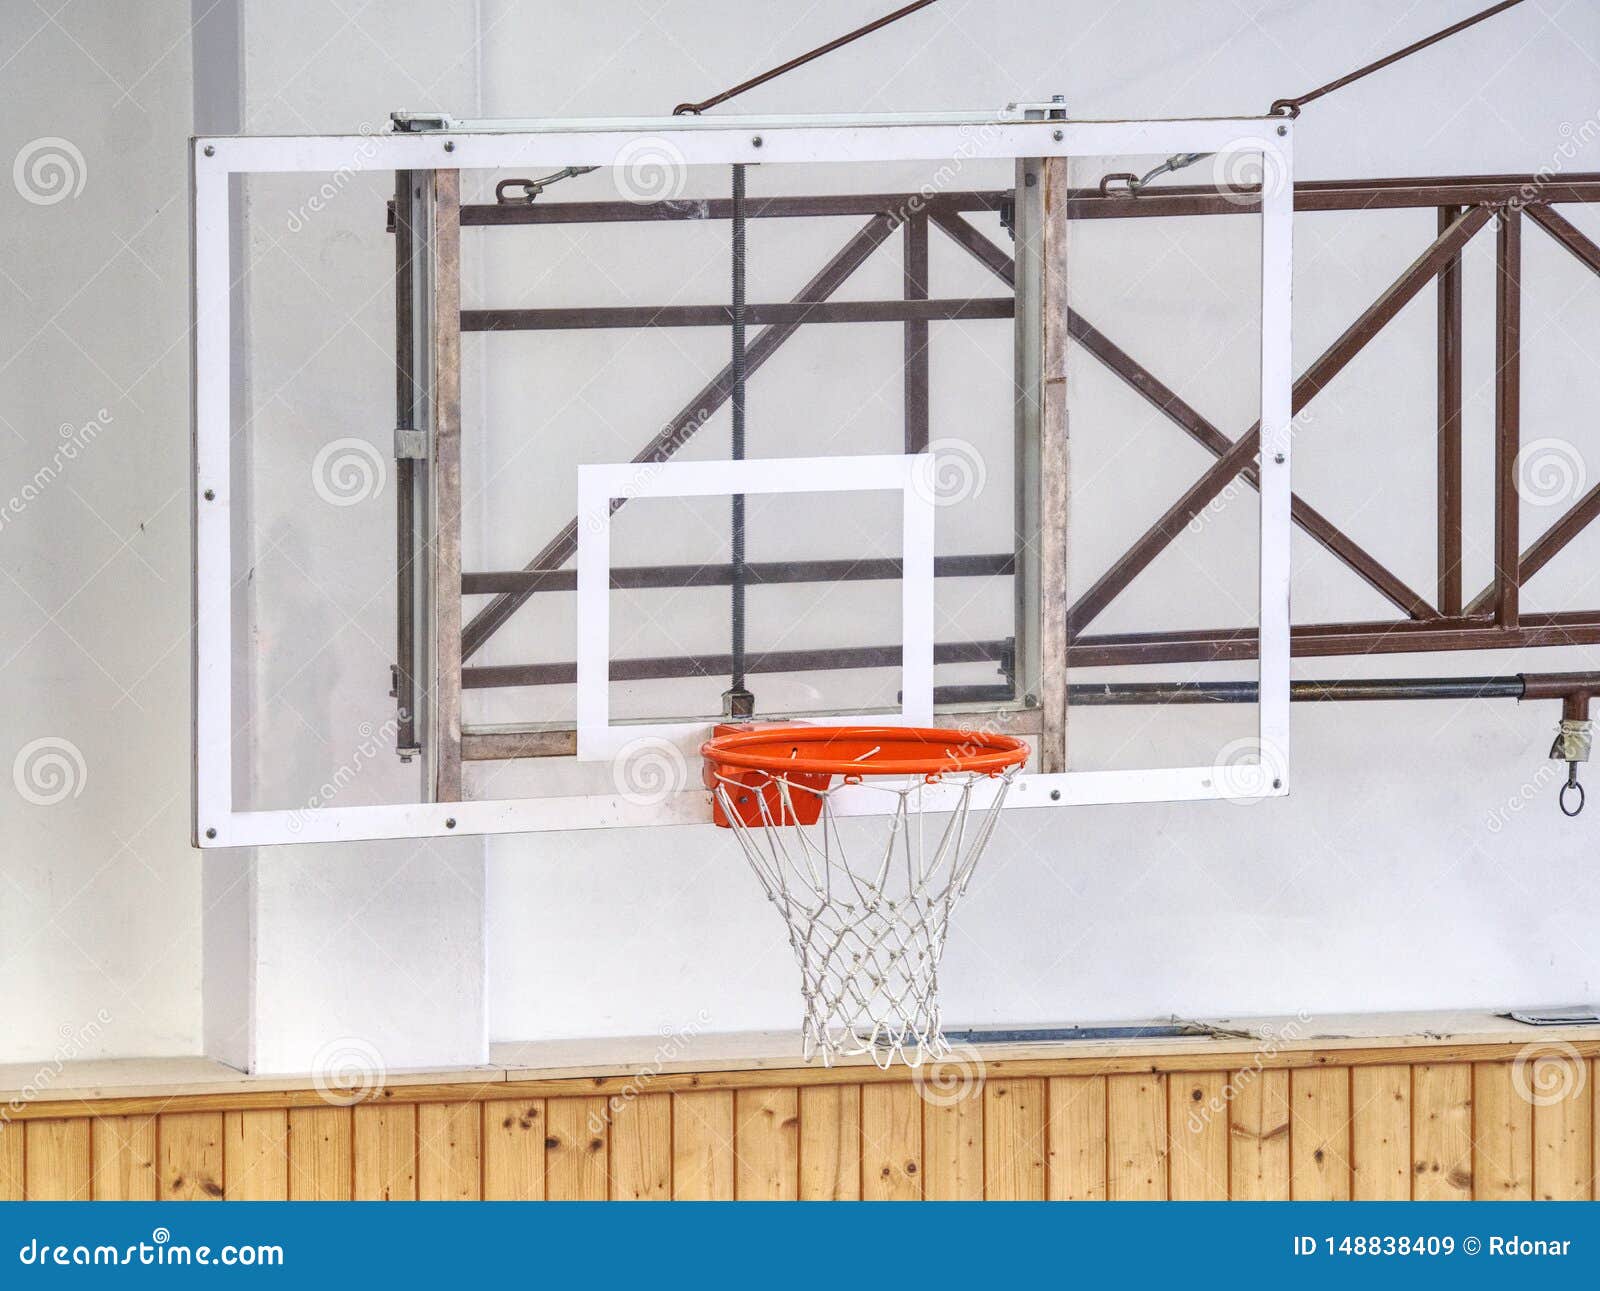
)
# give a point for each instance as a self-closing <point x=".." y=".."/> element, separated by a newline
<point x="1119" y="694"/>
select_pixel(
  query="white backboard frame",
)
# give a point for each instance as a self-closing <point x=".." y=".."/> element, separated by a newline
<point x="703" y="141"/>
<point x="910" y="476"/>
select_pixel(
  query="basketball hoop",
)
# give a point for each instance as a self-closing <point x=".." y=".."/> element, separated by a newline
<point x="868" y="935"/>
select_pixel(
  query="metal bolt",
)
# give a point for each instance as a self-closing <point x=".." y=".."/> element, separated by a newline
<point x="449" y="145"/>
<point x="1059" y="136"/>
<point x="211" y="833"/>
<point x="1277" y="784"/>
<point x="210" y="495"/>
<point x="210" y="151"/>
<point x="1278" y="458"/>
<point x="756" y="142"/>
<point x="1283" y="130"/>
<point x="449" y="822"/>
<point x="1055" y="795"/>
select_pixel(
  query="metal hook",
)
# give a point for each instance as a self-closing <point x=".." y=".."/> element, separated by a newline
<point x="1127" y="177"/>
<point x="531" y="188"/>
<point x="1572" y="783"/>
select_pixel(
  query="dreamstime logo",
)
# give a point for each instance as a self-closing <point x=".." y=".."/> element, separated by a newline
<point x="75" y="440"/>
<point x="48" y="171"/>
<point x="650" y="169"/>
<point x="1547" y="1072"/>
<point x="49" y="770"/>
<point x="951" y="471"/>
<point x="336" y="183"/>
<point x="77" y="1041"/>
<point x="1244" y="172"/>
<point x="675" y="1042"/>
<point x="1550" y="472"/>
<point x="1248" y="768"/>
<point x="372" y="745"/>
<point x="649" y="770"/>
<point x="347" y="1070"/>
<point x="347" y="472"/>
<point x="951" y="1079"/>
<point x="1499" y="817"/>
<point x="1574" y="139"/>
<point x="1272" y="1038"/>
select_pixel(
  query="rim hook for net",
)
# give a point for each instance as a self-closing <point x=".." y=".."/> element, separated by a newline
<point x="1572" y="783"/>
<point x="1574" y="739"/>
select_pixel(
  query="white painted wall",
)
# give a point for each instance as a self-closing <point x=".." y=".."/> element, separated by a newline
<point x="99" y="892"/>
<point x="1387" y="881"/>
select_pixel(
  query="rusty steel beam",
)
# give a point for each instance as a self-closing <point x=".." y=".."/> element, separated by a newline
<point x="1507" y="414"/>
<point x="1190" y="421"/>
<point x="682" y="427"/>
<point x="757" y="573"/>
<point x="1328" y="365"/>
<point x="914" y="369"/>
<point x="1567" y="234"/>
<point x="1447" y="487"/>
<point x="1082" y="203"/>
<point x="717" y="665"/>
<point x="824" y="206"/>
<point x="912" y="312"/>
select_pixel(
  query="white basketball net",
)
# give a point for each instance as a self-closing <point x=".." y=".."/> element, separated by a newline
<point x="869" y="934"/>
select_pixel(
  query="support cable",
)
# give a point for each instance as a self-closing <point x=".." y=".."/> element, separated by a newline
<point x="1132" y="183"/>
<point x="695" y="109"/>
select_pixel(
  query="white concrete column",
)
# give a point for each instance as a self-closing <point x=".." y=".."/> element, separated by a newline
<point x="356" y="958"/>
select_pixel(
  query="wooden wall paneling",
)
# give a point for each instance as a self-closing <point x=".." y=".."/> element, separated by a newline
<point x="1502" y="1148"/>
<point x="123" y="1149"/>
<point x="1136" y="1136"/>
<point x="702" y="1146"/>
<point x="1197" y="1119"/>
<point x="830" y="1143"/>
<point x="58" y="1160"/>
<point x="255" y="1155"/>
<point x="1319" y="1134"/>
<point x="1563" y="1125"/>
<point x="766" y="1143"/>
<point x="449" y="1151"/>
<point x="513" y="1149"/>
<point x="575" y="1149"/>
<point x="385" y="1136"/>
<point x="13" y="1160"/>
<point x="1077" y="1147"/>
<point x="891" y="1142"/>
<point x="953" y="1143"/>
<point x="1016" y="1120"/>
<point x="1380" y="1133"/>
<point x="190" y="1159"/>
<point x="641" y="1148"/>
<point x="1258" y="1134"/>
<point x="1441" y="1129"/>
<point x="321" y="1153"/>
